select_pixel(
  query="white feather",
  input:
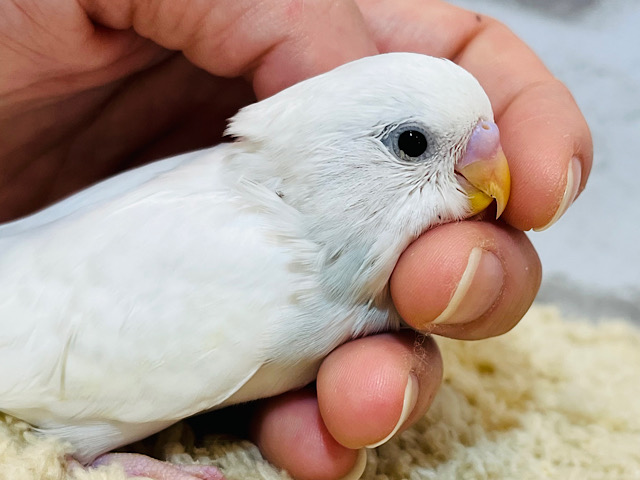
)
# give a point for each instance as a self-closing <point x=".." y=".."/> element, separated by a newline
<point x="226" y="275"/>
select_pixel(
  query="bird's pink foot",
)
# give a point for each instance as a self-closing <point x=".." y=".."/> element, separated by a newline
<point x="137" y="465"/>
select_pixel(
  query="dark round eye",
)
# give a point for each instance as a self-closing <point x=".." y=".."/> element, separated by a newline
<point x="412" y="143"/>
<point x="409" y="142"/>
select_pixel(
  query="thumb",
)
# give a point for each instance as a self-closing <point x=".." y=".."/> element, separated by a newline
<point x="275" y="43"/>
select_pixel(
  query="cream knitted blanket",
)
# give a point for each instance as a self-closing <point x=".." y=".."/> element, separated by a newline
<point x="552" y="399"/>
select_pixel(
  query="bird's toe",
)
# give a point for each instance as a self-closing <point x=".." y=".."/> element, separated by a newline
<point x="136" y="465"/>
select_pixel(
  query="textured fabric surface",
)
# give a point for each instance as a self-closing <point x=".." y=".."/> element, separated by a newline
<point x="554" y="398"/>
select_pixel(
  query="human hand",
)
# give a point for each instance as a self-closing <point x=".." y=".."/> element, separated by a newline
<point x="81" y="99"/>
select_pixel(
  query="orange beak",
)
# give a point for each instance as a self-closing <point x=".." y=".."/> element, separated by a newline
<point x="484" y="170"/>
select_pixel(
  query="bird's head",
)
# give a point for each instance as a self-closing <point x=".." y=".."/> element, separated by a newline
<point x="375" y="152"/>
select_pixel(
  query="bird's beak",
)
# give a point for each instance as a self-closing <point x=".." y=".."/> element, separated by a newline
<point x="484" y="169"/>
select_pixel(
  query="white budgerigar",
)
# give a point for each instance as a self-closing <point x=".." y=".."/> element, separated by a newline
<point x="227" y="274"/>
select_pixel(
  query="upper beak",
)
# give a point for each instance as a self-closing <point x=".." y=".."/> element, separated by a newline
<point x="485" y="169"/>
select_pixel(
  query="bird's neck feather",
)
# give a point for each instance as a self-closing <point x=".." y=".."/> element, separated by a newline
<point x="359" y="224"/>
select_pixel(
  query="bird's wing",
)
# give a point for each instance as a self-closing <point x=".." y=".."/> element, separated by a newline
<point x="149" y="306"/>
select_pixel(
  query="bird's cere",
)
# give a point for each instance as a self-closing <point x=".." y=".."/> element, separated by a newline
<point x="484" y="169"/>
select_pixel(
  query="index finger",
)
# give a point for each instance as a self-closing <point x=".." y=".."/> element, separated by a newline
<point x="544" y="135"/>
<point x="276" y="43"/>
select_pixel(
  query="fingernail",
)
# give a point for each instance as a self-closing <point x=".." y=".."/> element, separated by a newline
<point x="477" y="291"/>
<point x="358" y="469"/>
<point x="574" y="177"/>
<point x="408" y="403"/>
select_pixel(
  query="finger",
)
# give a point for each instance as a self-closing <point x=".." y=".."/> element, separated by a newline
<point x="543" y="132"/>
<point x="371" y="388"/>
<point x="276" y="42"/>
<point x="290" y="433"/>
<point x="467" y="280"/>
<point x="367" y="390"/>
<point x="544" y="135"/>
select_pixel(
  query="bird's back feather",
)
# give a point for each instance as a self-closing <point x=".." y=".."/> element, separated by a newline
<point x="159" y="331"/>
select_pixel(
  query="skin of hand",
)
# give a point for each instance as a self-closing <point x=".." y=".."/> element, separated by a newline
<point x="91" y="87"/>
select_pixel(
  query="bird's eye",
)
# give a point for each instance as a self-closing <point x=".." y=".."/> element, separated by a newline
<point x="412" y="143"/>
<point x="409" y="142"/>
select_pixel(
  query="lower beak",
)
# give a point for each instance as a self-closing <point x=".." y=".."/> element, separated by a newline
<point x="485" y="170"/>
